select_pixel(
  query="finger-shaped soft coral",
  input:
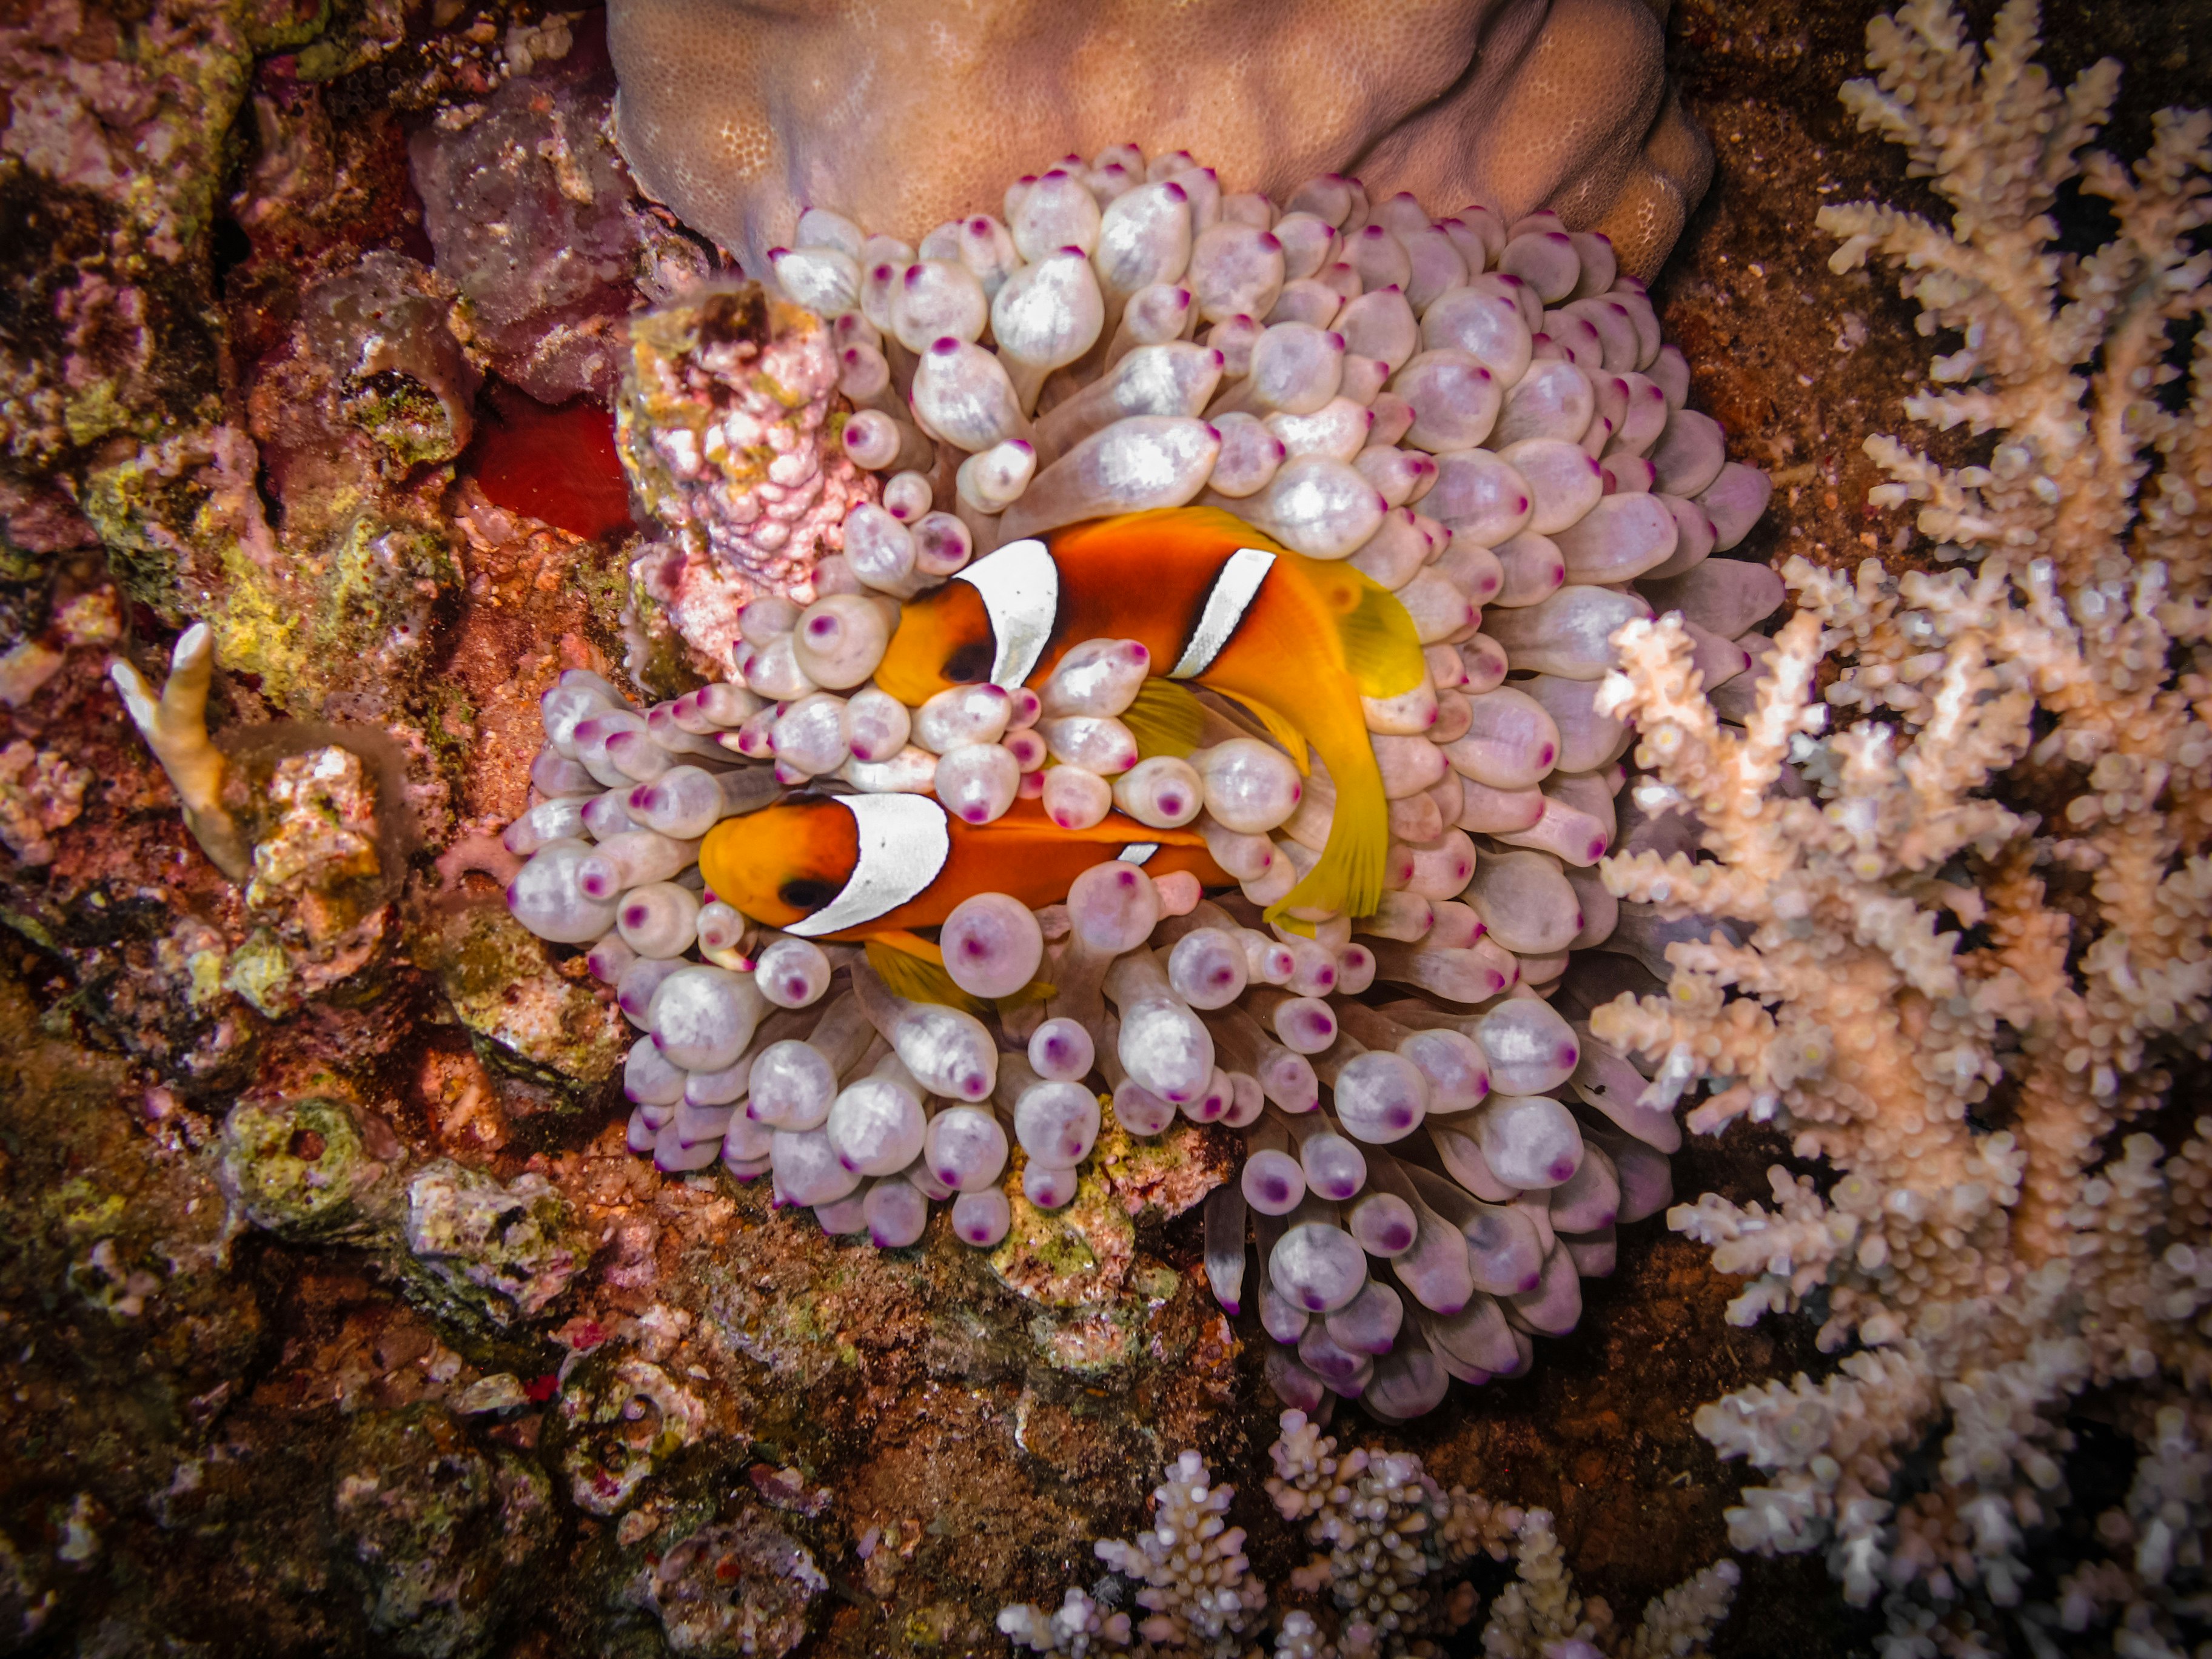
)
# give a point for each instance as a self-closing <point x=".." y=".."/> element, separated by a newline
<point x="740" y="117"/>
<point x="174" y="726"/>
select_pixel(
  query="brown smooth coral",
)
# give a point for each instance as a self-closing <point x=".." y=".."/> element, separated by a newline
<point x="739" y="115"/>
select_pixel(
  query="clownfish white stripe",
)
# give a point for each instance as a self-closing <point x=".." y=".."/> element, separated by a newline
<point x="903" y="845"/>
<point x="1020" y="587"/>
<point x="1226" y="602"/>
<point x="1137" y="851"/>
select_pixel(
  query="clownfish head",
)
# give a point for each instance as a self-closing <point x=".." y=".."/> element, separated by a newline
<point x="943" y="640"/>
<point x="781" y="864"/>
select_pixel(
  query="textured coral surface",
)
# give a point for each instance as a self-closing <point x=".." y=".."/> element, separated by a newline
<point x="741" y="118"/>
<point x="338" y="1316"/>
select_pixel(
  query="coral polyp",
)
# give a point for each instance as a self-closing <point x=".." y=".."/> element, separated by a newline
<point x="1151" y="646"/>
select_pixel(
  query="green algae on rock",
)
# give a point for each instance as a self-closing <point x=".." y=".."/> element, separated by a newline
<point x="436" y="1530"/>
<point x="184" y="525"/>
<point x="621" y="1419"/>
<point x="1070" y="1257"/>
<point x="1098" y="1295"/>
<point x="406" y="383"/>
<point x="525" y="1015"/>
<point x="298" y="1168"/>
<point x="1081" y="1254"/>
<point x="481" y="1253"/>
<point x="477" y="1252"/>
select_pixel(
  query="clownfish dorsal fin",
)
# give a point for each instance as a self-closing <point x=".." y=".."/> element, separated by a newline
<point x="1276" y="726"/>
<point x="913" y="967"/>
<point x="1165" y="719"/>
<point x="1380" y="646"/>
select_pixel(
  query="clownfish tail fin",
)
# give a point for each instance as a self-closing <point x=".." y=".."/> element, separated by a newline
<point x="1348" y="878"/>
<point x="911" y="967"/>
<point x="1381" y="647"/>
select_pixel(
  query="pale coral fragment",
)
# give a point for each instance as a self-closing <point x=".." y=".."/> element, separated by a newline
<point x="174" y="726"/>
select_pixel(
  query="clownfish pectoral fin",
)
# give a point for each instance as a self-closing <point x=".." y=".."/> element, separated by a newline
<point x="1029" y="996"/>
<point x="911" y="944"/>
<point x="1165" y="719"/>
<point x="1278" y="726"/>
<point x="1380" y="646"/>
<point x="1349" y="875"/>
<point x="913" y="967"/>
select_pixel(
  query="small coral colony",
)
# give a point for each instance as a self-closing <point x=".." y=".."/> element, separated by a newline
<point x="1152" y="643"/>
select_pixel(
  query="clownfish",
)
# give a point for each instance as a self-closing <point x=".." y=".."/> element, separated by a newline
<point x="1297" y="640"/>
<point x="875" y="867"/>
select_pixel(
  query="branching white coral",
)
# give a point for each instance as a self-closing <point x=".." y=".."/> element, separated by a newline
<point x="1392" y="1534"/>
<point x="1540" y="1615"/>
<point x="1192" y="1563"/>
<point x="1912" y="1000"/>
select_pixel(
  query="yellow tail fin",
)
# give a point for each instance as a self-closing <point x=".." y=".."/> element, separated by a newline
<point x="1349" y="876"/>
<point x="1381" y="647"/>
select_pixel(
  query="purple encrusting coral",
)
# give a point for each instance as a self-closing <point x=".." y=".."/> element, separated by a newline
<point x="725" y="420"/>
<point x="535" y="222"/>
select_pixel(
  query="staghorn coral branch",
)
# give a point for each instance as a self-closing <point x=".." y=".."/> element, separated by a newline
<point x="1988" y="1274"/>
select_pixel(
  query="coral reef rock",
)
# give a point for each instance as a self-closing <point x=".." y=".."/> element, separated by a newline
<point x="439" y="1532"/>
<point x="533" y="218"/>
<point x="741" y="1588"/>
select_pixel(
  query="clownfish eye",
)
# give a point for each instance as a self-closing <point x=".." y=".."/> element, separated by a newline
<point x="807" y="893"/>
<point x="970" y="664"/>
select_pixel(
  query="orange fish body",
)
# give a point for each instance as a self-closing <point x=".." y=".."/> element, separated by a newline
<point x="1300" y="641"/>
<point x="852" y="867"/>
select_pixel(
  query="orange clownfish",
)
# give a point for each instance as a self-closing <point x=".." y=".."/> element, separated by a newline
<point x="1297" y="640"/>
<point x="876" y="867"/>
